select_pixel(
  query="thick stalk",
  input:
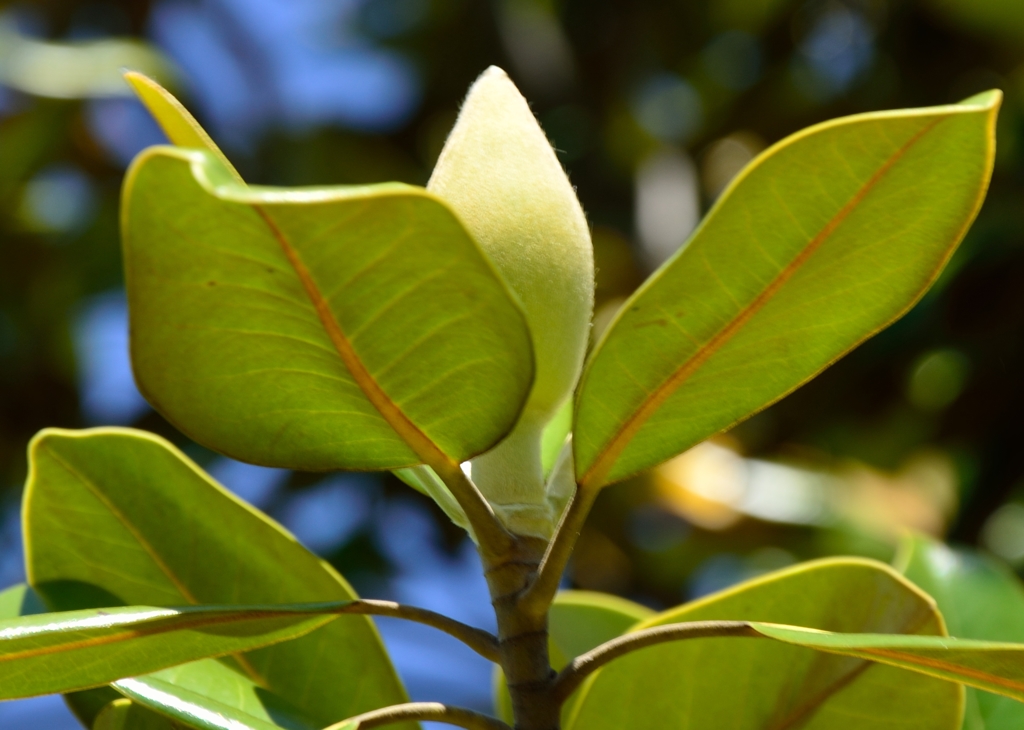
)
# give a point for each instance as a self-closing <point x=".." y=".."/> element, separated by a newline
<point x="523" y="637"/>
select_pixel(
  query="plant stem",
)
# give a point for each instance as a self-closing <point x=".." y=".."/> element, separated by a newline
<point x="538" y="595"/>
<point x="523" y="636"/>
<point x="582" y="666"/>
<point x="482" y="642"/>
<point x="432" y="711"/>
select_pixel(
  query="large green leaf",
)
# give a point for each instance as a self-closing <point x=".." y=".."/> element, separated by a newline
<point x="333" y="328"/>
<point x="980" y="599"/>
<point x="116" y="516"/>
<point x="73" y="650"/>
<point x="822" y="241"/>
<point x="746" y="684"/>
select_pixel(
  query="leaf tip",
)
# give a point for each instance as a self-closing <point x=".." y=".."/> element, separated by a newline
<point x="988" y="100"/>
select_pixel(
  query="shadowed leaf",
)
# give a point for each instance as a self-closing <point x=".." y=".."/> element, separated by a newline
<point x="747" y="684"/>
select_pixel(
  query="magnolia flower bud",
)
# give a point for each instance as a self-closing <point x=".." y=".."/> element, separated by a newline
<point x="501" y="176"/>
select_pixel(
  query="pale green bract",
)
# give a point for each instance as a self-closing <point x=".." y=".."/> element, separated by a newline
<point x="500" y="174"/>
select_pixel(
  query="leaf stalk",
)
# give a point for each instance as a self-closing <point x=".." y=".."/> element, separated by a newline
<point x="570" y="678"/>
<point x="482" y="642"/>
<point x="538" y="596"/>
<point x="430" y="711"/>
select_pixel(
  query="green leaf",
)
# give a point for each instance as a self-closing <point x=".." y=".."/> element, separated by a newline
<point x="578" y="622"/>
<point x="209" y="695"/>
<point x="73" y="650"/>
<point x="331" y="328"/>
<point x="989" y="665"/>
<point x="123" y="714"/>
<point x="747" y="684"/>
<point x="825" y="239"/>
<point x="980" y="599"/>
<point x="116" y="516"/>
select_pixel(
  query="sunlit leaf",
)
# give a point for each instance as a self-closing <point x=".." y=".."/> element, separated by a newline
<point x="822" y="241"/>
<point x="334" y="328"/>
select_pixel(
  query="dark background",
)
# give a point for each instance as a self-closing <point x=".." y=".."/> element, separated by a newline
<point x="652" y="106"/>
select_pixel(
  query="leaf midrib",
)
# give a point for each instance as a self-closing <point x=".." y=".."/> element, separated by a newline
<point x="153" y="554"/>
<point x="607" y="458"/>
<point x="939" y="665"/>
<point x="421" y="444"/>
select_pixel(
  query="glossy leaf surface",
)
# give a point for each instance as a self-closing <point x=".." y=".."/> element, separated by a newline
<point x="825" y="239"/>
<point x="212" y="696"/>
<point x="72" y="650"/>
<point x="21" y="600"/>
<point x="334" y="328"/>
<point x="748" y="684"/>
<point x="980" y="599"/>
<point x="116" y="516"/>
